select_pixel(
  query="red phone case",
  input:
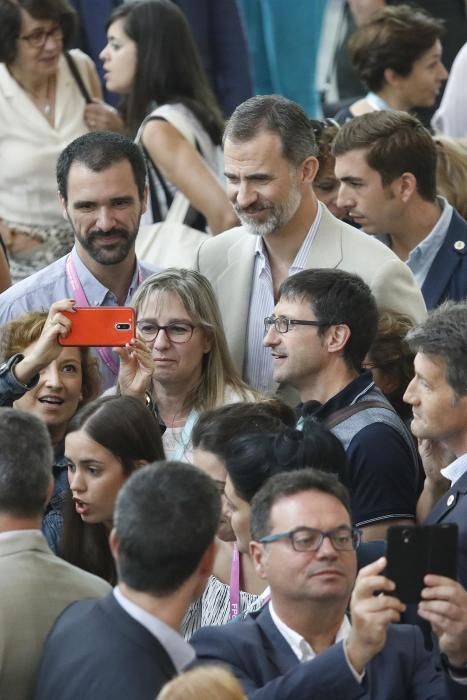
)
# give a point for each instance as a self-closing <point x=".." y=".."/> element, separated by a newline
<point x="100" y="326"/>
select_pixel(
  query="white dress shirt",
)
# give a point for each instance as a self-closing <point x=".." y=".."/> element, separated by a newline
<point x="300" y="647"/>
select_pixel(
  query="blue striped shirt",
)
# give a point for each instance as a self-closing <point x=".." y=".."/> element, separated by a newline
<point x="257" y="366"/>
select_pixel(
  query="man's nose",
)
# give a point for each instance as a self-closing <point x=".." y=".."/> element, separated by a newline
<point x="344" y="198"/>
<point x="244" y="195"/>
<point x="271" y="337"/>
<point x="105" y="220"/>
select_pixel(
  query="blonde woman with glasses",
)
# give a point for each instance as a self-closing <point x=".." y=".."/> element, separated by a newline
<point x="179" y="361"/>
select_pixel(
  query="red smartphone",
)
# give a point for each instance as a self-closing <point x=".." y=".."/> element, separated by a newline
<point x="100" y="326"/>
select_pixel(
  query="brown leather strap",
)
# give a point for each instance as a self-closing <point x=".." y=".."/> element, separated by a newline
<point x="343" y="413"/>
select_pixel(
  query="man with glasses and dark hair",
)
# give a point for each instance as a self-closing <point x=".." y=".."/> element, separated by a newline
<point x="271" y="162"/>
<point x="303" y="646"/>
<point x="322" y="328"/>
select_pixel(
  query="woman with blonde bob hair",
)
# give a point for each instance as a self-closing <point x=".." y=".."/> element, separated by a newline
<point x="179" y="360"/>
<point x="203" y="683"/>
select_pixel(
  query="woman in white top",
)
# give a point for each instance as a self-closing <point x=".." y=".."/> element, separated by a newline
<point x="397" y="54"/>
<point x="152" y="61"/>
<point x="180" y="358"/>
<point x="42" y="109"/>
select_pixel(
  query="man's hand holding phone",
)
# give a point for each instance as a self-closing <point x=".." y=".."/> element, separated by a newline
<point x="444" y="606"/>
<point x="373" y="607"/>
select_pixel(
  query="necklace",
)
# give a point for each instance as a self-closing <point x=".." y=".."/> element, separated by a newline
<point x="45" y="107"/>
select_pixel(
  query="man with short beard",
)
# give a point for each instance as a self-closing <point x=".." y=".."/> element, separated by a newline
<point x="270" y="164"/>
<point x="102" y="188"/>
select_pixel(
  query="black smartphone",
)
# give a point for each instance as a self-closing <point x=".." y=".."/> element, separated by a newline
<point x="414" y="551"/>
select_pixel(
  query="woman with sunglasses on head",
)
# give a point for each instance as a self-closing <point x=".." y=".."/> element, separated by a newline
<point x="42" y="109"/>
<point x="179" y="360"/>
<point x="107" y="440"/>
<point x="151" y="60"/>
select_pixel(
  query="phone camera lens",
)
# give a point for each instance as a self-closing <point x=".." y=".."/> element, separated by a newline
<point x="406" y="536"/>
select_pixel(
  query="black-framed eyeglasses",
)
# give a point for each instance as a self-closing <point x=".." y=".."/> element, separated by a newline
<point x="282" y="324"/>
<point x="175" y="332"/>
<point x="309" y="539"/>
<point x="37" y="38"/>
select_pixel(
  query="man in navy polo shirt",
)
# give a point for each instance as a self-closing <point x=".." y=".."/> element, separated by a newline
<point x="322" y="328"/>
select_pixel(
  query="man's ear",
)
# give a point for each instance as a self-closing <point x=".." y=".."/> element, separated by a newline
<point x="310" y="167"/>
<point x="206" y="564"/>
<point x="337" y="337"/>
<point x="63" y="206"/>
<point x="258" y="555"/>
<point x="114" y="544"/>
<point x="50" y="489"/>
<point x="407" y="186"/>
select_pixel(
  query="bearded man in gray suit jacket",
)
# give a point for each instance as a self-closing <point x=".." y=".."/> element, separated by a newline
<point x="35" y="585"/>
<point x="270" y="163"/>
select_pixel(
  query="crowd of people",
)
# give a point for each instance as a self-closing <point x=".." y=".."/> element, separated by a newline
<point x="203" y="511"/>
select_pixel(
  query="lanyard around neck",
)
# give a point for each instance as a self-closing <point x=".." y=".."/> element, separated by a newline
<point x="80" y="297"/>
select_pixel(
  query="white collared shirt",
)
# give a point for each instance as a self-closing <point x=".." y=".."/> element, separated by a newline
<point x="176" y="647"/>
<point x="456" y="469"/>
<point x="300" y="647"/>
<point x="257" y="366"/>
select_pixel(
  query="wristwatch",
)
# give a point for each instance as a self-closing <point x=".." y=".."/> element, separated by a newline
<point x="455" y="671"/>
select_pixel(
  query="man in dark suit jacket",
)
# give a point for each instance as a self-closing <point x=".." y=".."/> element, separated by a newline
<point x="303" y="646"/>
<point x="438" y="395"/>
<point x="386" y="162"/>
<point x="128" y="645"/>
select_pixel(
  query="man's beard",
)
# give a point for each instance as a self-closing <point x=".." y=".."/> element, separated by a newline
<point x="279" y="214"/>
<point x="112" y="254"/>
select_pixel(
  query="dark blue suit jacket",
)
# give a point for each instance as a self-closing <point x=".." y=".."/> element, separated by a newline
<point x="219" y="35"/>
<point x="452" y="508"/>
<point x="96" y="651"/>
<point x="447" y="276"/>
<point x="269" y="670"/>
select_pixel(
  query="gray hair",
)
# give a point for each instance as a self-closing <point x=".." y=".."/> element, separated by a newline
<point x="26" y="459"/>
<point x="444" y="334"/>
<point x="166" y="516"/>
<point x="280" y="116"/>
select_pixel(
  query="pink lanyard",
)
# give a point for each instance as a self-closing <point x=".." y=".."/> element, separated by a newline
<point x="79" y="295"/>
<point x="235" y="584"/>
